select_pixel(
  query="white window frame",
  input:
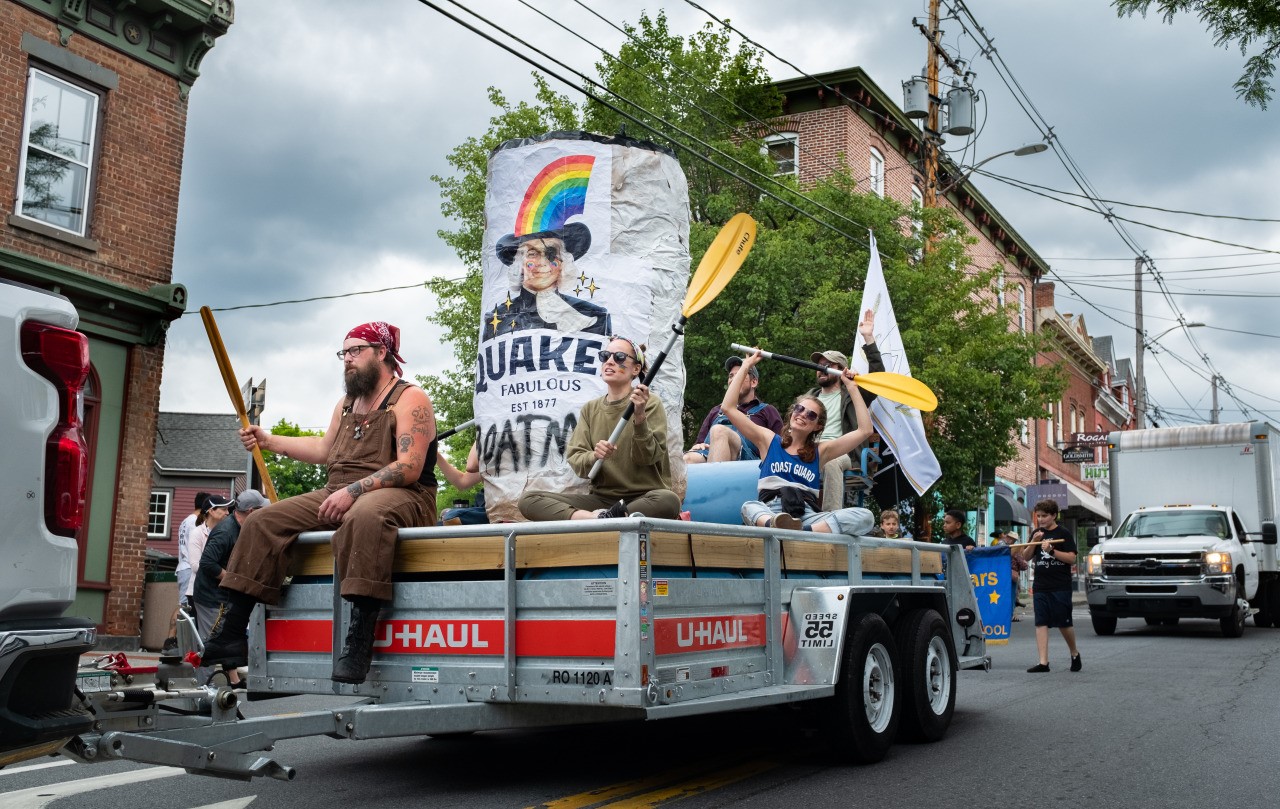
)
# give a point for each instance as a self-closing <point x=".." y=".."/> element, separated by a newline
<point x="91" y="146"/>
<point x="1022" y="309"/>
<point x="159" y="507"/>
<point x="875" y="171"/>
<point x="792" y="138"/>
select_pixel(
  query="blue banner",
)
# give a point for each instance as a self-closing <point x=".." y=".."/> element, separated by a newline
<point x="991" y="570"/>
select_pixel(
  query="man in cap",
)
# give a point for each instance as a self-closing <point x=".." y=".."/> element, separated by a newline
<point x="542" y="271"/>
<point x="836" y="400"/>
<point x="211" y="567"/>
<point x="718" y="440"/>
<point x="380" y="450"/>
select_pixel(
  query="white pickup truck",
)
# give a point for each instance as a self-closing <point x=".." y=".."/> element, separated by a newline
<point x="1195" y="532"/>
<point x="44" y="363"/>
<point x="1165" y="563"/>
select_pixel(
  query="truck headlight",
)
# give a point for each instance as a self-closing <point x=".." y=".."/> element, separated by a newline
<point x="1094" y="567"/>
<point x="1217" y="562"/>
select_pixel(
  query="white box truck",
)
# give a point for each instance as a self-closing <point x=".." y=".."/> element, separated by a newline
<point x="1194" y="511"/>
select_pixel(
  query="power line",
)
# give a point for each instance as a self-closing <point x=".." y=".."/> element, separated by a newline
<point x="1144" y="207"/>
<point x="308" y="300"/>
<point x="1111" y="216"/>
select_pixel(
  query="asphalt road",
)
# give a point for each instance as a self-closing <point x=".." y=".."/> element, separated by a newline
<point x="1157" y="718"/>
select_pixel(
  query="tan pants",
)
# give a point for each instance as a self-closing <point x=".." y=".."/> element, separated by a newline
<point x="833" y="482"/>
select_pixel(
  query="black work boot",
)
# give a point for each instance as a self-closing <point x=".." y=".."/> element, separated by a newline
<point x="228" y="643"/>
<point x="357" y="651"/>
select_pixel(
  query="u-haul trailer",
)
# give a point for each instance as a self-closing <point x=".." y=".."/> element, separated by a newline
<point x="548" y="624"/>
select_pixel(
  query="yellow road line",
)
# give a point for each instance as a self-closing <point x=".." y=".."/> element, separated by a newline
<point x="659" y="789"/>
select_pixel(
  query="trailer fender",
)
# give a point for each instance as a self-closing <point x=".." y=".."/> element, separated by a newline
<point x="813" y="634"/>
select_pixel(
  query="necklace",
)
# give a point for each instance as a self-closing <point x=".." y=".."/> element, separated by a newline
<point x="358" y="432"/>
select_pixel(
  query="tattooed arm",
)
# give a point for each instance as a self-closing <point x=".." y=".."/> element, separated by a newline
<point x="415" y="430"/>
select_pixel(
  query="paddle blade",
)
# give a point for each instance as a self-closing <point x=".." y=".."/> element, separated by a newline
<point x="899" y="388"/>
<point x="720" y="262"/>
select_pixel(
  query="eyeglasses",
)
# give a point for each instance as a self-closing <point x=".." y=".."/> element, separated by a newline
<point x="619" y="357"/>
<point x="353" y="351"/>
<point x="801" y="410"/>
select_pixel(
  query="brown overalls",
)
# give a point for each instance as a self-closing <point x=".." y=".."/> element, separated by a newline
<point x="364" y="542"/>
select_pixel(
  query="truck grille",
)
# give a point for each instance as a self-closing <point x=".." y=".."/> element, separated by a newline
<point x="1147" y="565"/>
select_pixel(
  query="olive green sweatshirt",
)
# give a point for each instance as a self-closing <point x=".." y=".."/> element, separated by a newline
<point x="641" y="463"/>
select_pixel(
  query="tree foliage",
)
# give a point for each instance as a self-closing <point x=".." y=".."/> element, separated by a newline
<point x="1232" y="22"/>
<point x="290" y="476"/>
<point x="801" y="287"/>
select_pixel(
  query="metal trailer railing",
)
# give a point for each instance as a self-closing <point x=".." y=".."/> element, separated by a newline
<point x="619" y="645"/>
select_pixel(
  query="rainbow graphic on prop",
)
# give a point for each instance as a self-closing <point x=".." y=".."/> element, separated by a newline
<point x="557" y="193"/>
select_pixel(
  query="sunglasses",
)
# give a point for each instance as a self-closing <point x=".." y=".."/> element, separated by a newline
<point x="619" y="357"/>
<point x="801" y="410"/>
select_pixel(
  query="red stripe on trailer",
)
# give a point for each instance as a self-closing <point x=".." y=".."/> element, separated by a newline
<point x="551" y="638"/>
<point x="708" y="632"/>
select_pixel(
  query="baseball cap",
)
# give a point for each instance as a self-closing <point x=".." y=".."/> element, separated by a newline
<point x="217" y="501"/>
<point x="834" y="357"/>
<point x="735" y="361"/>
<point x="250" y="499"/>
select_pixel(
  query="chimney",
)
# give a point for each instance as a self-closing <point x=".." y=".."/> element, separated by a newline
<point x="1044" y="295"/>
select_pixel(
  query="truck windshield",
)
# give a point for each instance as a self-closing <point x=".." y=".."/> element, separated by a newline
<point x="1174" y="524"/>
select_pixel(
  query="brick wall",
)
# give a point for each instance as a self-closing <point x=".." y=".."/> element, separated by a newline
<point x="133" y="218"/>
<point x="830" y="135"/>
<point x="135" y="202"/>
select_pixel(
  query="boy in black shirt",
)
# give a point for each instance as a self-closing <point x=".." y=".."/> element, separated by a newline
<point x="1052" y="562"/>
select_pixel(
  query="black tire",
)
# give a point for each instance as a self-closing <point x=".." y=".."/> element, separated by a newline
<point x="1233" y="624"/>
<point x="1170" y="621"/>
<point x="1266" y="602"/>
<point x="866" y="704"/>
<point x="926" y="675"/>
<point x="1151" y="620"/>
<point x="1103" y="624"/>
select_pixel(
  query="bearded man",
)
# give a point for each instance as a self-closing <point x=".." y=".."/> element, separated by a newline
<point x="380" y="450"/>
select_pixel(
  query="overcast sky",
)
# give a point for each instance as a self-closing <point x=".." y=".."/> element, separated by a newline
<point x="316" y="125"/>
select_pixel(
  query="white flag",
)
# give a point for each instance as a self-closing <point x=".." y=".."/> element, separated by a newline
<point x="900" y="426"/>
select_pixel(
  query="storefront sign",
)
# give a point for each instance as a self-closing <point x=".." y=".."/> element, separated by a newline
<point x="1077" y="455"/>
<point x="1095" y="471"/>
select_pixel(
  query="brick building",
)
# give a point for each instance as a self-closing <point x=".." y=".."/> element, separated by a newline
<point x="195" y="452"/>
<point x="1098" y="399"/>
<point x="91" y="144"/>
<point x="860" y="126"/>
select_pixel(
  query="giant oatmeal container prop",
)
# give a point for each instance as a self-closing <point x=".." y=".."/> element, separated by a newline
<point x="585" y="237"/>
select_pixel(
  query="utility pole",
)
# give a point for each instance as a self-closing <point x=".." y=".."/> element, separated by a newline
<point x="1140" y="381"/>
<point x="932" y="128"/>
<point x="1213" y="414"/>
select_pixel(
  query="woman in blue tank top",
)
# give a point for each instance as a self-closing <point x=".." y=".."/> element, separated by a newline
<point x="791" y="469"/>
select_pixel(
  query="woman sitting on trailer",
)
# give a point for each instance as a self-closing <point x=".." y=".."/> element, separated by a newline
<point x="636" y="474"/>
<point x="791" y="472"/>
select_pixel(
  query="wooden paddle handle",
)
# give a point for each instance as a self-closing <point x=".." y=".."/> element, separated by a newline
<point x="233" y="391"/>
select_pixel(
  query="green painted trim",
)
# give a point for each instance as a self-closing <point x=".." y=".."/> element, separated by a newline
<point x="106" y="309"/>
<point x="90" y="604"/>
<point x="111" y="361"/>
<point x="171" y="36"/>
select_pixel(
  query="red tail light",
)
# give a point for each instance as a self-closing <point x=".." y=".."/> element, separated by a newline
<point x="62" y="357"/>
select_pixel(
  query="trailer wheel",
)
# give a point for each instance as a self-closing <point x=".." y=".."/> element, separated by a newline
<point x="866" y="701"/>
<point x="1103" y="624"/>
<point x="926" y="674"/>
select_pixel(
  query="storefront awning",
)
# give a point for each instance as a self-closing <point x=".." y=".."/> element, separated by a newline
<point x="1008" y="509"/>
<point x="1079" y="498"/>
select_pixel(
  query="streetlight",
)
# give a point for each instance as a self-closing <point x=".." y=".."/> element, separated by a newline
<point x="1175" y="326"/>
<point x="1022" y="151"/>
<point x="1140" y="382"/>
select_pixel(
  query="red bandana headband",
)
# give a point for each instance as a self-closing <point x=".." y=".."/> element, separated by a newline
<point x="379" y="333"/>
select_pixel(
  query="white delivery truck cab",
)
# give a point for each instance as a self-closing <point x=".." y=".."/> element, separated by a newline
<point x="1194" y="511"/>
